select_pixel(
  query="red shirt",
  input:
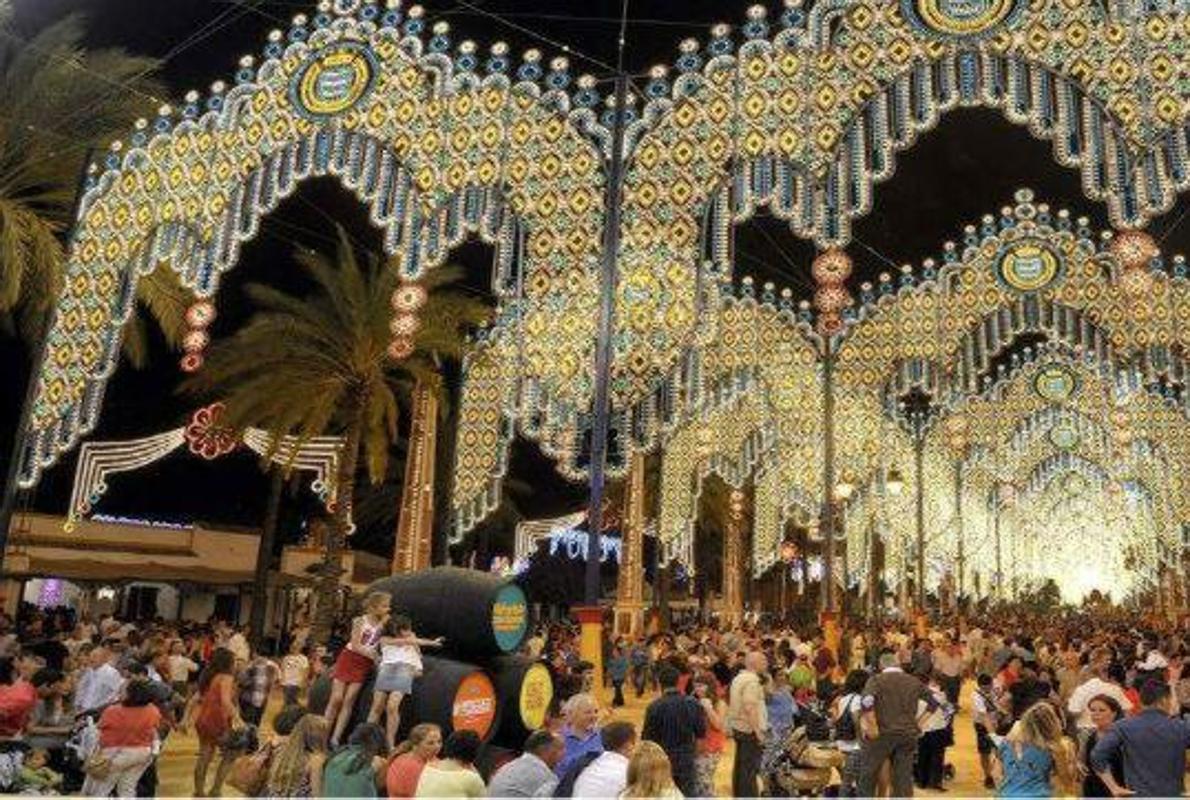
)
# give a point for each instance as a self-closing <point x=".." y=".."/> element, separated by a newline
<point x="403" y="774"/>
<point x="16" y="704"/>
<point x="128" y="726"/>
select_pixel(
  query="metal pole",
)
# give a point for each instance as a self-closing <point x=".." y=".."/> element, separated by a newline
<point x="869" y="557"/>
<point x="8" y="503"/>
<point x="919" y="446"/>
<point x="999" y="562"/>
<point x="828" y="477"/>
<point x="784" y="577"/>
<point x="845" y="596"/>
<point x="603" y="350"/>
<point x="958" y="512"/>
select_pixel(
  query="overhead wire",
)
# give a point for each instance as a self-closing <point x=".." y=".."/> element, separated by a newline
<point x="128" y="84"/>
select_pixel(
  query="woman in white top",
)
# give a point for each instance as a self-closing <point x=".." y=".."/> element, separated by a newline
<point x="400" y="663"/>
<point x="847" y="712"/>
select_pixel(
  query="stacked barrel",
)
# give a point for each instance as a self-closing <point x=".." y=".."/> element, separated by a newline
<point x="474" y="682"/>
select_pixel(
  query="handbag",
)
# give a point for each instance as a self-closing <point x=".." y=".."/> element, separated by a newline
<point x="249" y="773"/>
<point x="98" y="765"/>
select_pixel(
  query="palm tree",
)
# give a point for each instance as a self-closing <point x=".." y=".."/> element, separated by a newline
<point x="59" y="102"/>
<point x="318" y="365"/>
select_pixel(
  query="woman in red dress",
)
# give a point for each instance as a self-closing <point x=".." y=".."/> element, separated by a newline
<point x="215" y="715"/>
<point x="355" y="662"/>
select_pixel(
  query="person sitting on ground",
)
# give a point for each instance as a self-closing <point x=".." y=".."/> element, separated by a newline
<point x="411" y="757"/>
<point x="454" y="775"/>
<point x="532" y="774"/>
<point x="357" y="769"/>
<point x="36" y="775"/>
<point x="607" y="775"/>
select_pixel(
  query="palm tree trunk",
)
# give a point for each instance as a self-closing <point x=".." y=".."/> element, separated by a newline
<point x="326" y="587"/>
<point x="264" y="557"/>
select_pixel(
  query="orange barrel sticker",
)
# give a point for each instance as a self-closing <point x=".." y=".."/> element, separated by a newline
<point x="475" y="705"/>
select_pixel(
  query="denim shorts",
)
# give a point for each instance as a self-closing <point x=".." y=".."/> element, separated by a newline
<point x="394" y="678"/>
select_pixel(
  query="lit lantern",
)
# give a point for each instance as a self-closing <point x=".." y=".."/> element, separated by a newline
<point x="832" y="266"/>
<point x="400" y="348"/>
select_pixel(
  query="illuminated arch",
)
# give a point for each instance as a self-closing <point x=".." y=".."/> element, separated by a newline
<point x="435" y="149"/>
<point x="807" y="119"/>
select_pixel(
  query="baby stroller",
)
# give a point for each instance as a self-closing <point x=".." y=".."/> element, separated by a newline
<point x="800" y="767"/>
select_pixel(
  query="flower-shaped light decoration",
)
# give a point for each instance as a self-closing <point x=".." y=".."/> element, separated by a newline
<point x="400" y="348"/>
<point x="404" y="325"/>
<point x="200" y="314"/>
<point x="206" y="437"/>
<point x="408" y="298"/>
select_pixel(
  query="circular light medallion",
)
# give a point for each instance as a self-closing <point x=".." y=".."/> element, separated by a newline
<point x="1055" y="383"/>
<point x="334" y="80"/>
<point x="1064" y="436"/>
<point x="1074" y="484"/>
<point x="960" y="18"/>
<point x="1028" y="267"/>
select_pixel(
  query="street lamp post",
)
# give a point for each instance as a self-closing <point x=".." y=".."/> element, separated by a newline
<point x="894" y="486"/>
<point x="828" y="477"/>
<point x="788" y="554"/>
<point x="843" y="491"/>
<point x="919" y="447"/>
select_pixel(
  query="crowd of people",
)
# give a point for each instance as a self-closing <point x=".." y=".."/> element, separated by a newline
<point x="1084" y="705"/>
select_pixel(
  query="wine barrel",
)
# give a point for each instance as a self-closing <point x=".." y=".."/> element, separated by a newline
<point x="479" y="614"/>
<point x="525" y="688"/>
<point x="453" y="695"/>
<point x="456" y="696"/>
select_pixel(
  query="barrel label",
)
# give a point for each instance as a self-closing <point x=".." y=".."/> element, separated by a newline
<point x="537" y="690"/>
<point x="475" y="705"/>
<point x="510" y="617"/>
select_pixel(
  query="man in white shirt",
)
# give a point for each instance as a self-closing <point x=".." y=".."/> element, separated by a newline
<point x="237" y="643"/>
<point x="607" y="775"/>
<point x="1098" y="684"/>
<point x="100" y="683"/>
<point x="749" y="721"/>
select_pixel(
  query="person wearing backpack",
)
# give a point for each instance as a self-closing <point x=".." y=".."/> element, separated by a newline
<point x="848" y="706"/>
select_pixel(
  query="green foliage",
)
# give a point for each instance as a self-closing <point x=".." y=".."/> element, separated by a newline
<point x="59" y="101"/>
<point x="318" y="365"/>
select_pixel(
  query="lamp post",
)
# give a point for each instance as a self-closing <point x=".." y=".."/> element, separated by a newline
<point x="843" y="491"/>
<point x="788" y="554"/>
<point x="894" y="486"/>
<point x="919" y="448"/>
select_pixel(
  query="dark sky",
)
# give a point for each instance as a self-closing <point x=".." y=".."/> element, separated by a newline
<point x="968" y="166"/>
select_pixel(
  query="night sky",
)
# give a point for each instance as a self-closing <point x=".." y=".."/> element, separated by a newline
<point x="970" y="165"/>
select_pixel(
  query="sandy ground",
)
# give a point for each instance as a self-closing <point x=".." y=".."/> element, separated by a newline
<point x="175" y="768"/>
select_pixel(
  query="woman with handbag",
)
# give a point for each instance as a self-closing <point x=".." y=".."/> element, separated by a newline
<point x="216" y="714"/>
<point x="127" y="731"/>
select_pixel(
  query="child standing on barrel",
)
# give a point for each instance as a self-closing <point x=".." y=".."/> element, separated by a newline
<point x="400" y="663"/>
<point x="355" y="661"/>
